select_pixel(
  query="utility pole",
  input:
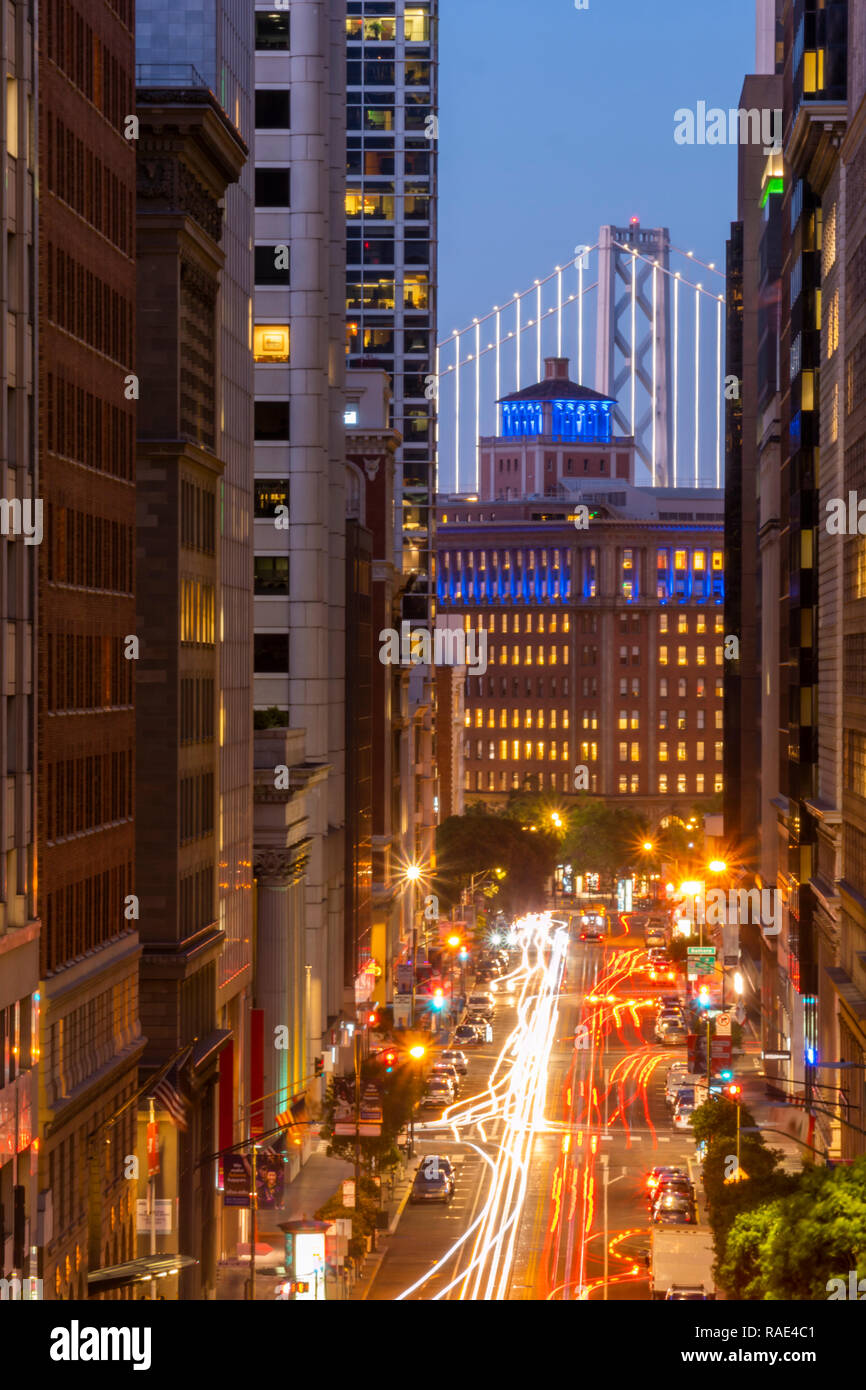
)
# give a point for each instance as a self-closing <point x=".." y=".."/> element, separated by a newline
<point x="254" y="1224"/>
<point x="357" y="1058"/>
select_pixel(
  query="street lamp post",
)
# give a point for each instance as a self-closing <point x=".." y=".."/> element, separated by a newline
<point x="417" y="1053"/>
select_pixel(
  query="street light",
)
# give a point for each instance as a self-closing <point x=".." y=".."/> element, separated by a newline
<point x="417" y="1052"/>
<point x="717" y="866"/>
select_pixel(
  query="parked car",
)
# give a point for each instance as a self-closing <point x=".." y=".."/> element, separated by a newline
<point x="456" y="1058"/>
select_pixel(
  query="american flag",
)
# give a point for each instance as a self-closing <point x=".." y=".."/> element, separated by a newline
<point x="167" y="1094"/>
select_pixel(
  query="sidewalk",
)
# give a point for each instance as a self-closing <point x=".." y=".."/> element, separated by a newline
<point x="770" y="1112"/>
<point x="364" y="1284"/>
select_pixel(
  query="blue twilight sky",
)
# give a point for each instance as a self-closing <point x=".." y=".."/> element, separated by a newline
<point x="554" y="121"/>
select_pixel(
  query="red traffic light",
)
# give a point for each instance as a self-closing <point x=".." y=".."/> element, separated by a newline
<point x="733" y="1090"/>
<point x="390" y="1058"/>
<point x="372" y="1020"/>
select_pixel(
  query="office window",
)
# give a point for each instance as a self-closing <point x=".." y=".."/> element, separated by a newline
<point x="273" y="188"/>
<point x="527" y="750"/>
<point x="271" y="342"/>
<point x="479" y="718"/>
<point x="272" y="32"/>
<point x="271" y="652"/>
<point x="272" y="265"/>
<point x="718" y="560"/>
<point x="273" y="108"/>
<point x="515" y="749"/>
<point x="271" y="421"/>
<point x="271" y="575"/>
<point x="270" y="493"/>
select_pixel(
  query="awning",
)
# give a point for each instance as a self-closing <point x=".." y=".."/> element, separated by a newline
<point x="139" y="1271"/>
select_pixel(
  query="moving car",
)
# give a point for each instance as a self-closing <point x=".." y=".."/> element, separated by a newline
<point x="445" y="1069"/>
<point x="467" y="1035"/>
<point x="658" y="1174"/>
<point x="674" y="1209"/>
<point x="434" y="1182"/>
<point x="437" y="1095"/>
<point x="682" y="1292"/>
<point x="671" y="1031"/>
<point x="591" y="926"/>
<point x="481" y="1003"/>
<point x="456" y="1058"/>
<point x="677" y="1081"/>
<point x="675" y="1187"/>
<point x="655" y="936"/>
<point x="683" y="1114"/>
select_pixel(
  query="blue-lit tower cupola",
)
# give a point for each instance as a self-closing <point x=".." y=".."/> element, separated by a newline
<point x="557" y="409"/>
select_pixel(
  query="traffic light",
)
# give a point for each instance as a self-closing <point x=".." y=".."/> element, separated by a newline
<point x="703" y="999"/>
<point x="389" y="1058"/>
<point x="726" y="1075"/>
<point x="733" y="1091"/>
<point x="438" y="999"/>
<point x="372" y="1020"/>
<point x="319" y="1066"/>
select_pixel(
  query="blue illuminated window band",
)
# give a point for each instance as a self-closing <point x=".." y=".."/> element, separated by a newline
<point x="586" y="422"/>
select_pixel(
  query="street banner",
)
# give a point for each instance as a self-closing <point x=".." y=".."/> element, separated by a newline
<point x="236" y="1180"/>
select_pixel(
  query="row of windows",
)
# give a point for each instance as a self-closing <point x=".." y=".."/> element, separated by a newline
<point x="88" y="307"/>
<point x="86" y="672"/>
<point x="197" y="517"/>
<point x="88" y="429"/>
<point x="79" y="177"/>
<point x="83" y="915"/>
<point x="413" y="292"/>
<point x="196" y="806"/>
<point x="541" y="623"/>
<point x="517" y="749"/>
<point x="197" y="613"/>
<point x="88" y="552"/>
<point x="543" y="686"/>
<point x="526" y="718"/>
<point x="854" y="762"/>
<point x="81" y="54"/>
<point x="686" y="658"/>
<point x="684" y="753"/>
<point x="666" y="623"/>
<point x="85" y="794"/>
<point x="377" y="204"/>
<point x="627" y="783"/>
<point x="196" y="900"/>
<point x="270" y="493"/>
<point x="416" y="26"/>
<point x="544" y="656"/>
<point x="17" y="1037"/>
<point x="196" y="709"/>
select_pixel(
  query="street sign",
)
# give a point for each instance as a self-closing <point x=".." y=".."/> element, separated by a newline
<point x="723" y="1025"/>
<point x="776" y="1056"/>
<point x="721" y="1055"/>
<point x="348" y="1192"/>
<point x="162" y="1216"/>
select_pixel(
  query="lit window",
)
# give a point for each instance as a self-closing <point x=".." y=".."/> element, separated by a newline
<point x="701" y="656"/>
<point x="527" y="659"/>
<point x="681" y="719"/>
<point x="701" y="687"/>
<point x="515" y="719"/>
<point x="515" y="656"/>
<point x="552" y="624"/>
<point x="682" y="784"/>
<point x="663" y="752"/>
<point x="663" y="782"/>
<point x="683" y="623"/>
<point x="527" y="719"/>
<point x="681" y="560"/>
<point x="663" y="656"/>
<point x="565" y="720"/>
<point x="718" y="560"/>
<point x="566" y="623"/>
<point x="699" y="783"/>
<point x="491" y="750"/>
<point x="635" y="752"/>
<point x="682" y="755"/>
<point x="623" y="719"/>
<point x="719" y="625"/>
<point x="271" y="342"/>
<point x="720" y="718"/>
<point x="467" y="719"/>
<point x="416" y="24"/>
<point x="719" y="747"/>
<point x="720" y="687"/>
<point x="635" y="719"/>
<point x="565" y="656"/>
<point x="682" y="656"/>
<point x="503" y="655"/>
<point x="720" y="655"/>
<point x="663" y="719"/>
<point x="479" y="716"/>
<point x="623" y="752"/>
<point x="503" y="719"/>
<point x="539" y="720"/>
<point x="663" y="688"/>
<point x="701" y="623"/>
<point x="718" y="782"/>
<point x="540" y="624"/>
<point x="540" y="657"/>
<point x="491" y="718"/>
<point x="699" y="561"/>
<point x="623" y="782"/>
<point x="515" y="749"/>
<point x="539" y="750"/>
<point x="634" y="782"/>
<point x="663" y="622"/>
<point x="527" y="750"/>
<point x="699" y="752"/>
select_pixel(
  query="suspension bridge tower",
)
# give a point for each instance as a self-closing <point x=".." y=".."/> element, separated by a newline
<point x="633" y="340"/>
